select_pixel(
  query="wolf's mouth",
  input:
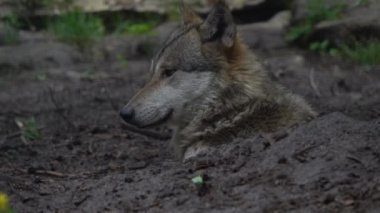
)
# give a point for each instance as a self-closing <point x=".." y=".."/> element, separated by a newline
<point x="160" y="121"/>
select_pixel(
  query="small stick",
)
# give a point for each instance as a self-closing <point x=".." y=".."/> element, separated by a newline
<point x="90" y="150"/>
<point x="42" y="172"/>
<point x="313" y="84"/>
<point x="50" y="173"/>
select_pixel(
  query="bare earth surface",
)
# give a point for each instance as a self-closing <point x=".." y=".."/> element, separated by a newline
<point x="87" y="162"/>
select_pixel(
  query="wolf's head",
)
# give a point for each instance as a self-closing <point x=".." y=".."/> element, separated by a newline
<point x="186" y="68"/>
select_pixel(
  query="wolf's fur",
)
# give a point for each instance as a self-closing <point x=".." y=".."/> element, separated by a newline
<point x="210" y="87"/>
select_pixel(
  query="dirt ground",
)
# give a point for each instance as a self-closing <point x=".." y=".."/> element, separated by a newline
<point x="87" y="161"/>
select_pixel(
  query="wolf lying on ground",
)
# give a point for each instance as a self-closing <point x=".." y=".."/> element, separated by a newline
<point x="208" y="86"/>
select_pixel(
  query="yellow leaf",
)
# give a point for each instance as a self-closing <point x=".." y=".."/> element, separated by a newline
<point x="3" y="201"/>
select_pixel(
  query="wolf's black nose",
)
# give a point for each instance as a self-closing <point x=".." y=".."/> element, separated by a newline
<point x="127" y="113"/>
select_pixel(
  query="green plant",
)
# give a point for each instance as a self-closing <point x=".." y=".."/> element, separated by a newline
<point x="77" y="28"/>
<point x="11" y="24"/>
<point x="363" y="52"/>
<point x="299" y="31"/>
<point x="323" y="47"/>
<point x="317" y="11"/>
<point x="29" y="129"/>
<point x="133" y="26"/>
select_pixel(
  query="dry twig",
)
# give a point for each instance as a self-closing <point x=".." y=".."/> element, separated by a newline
<point x="50" y="173"/>
<point x="313" y="84"/>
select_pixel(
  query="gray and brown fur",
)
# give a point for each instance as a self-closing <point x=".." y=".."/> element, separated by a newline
<point x="209" y="87"/>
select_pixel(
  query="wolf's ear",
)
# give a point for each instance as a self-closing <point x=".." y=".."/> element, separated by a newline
<point x="188" y="15"/>
<point x="219" y="25"/>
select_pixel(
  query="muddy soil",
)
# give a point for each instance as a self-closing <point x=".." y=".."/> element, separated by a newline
<point x="88" y="162"/>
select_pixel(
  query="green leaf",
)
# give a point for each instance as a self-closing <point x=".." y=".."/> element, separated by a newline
<point x="197" y="180"/>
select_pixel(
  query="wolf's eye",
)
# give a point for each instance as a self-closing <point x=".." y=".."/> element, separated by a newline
<point x="168" y="72"/>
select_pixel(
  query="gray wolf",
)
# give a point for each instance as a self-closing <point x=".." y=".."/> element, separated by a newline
<point x="209" y="87"/>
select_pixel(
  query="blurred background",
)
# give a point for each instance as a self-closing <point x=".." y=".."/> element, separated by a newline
<point x="68" y="66"/>
<point x="342" y="28"/>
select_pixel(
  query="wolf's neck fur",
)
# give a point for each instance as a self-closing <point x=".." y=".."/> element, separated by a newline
<point x="245" y="101"/>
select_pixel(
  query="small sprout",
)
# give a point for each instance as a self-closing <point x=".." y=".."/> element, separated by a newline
<point x="200" y="185"/>
<point x="197" y="180"/>
<point x="29" y="129"/>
